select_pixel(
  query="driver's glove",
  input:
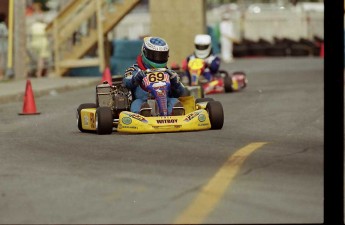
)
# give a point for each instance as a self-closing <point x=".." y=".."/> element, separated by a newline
<point x="174" y="77"/>
<point x="138" y="77"/>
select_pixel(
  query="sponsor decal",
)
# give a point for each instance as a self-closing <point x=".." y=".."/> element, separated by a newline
<point x="126" y="120"/>
<point x="92" y="120"/>
<point x="130" y="127"/>
<point x="86" y="120"/>
<point x="190" y="116"/>
<point x="155" y="47"/>
<point x="137" y="117"/>
<point x="202" y="124"/>
<point x="202" y="117"/>
<point x="162" y="121"/>
<point x="235" y="84"/>
<point x="161" y="93"/>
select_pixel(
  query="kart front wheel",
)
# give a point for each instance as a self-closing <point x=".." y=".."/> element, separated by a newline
<point x="203" y="100"/>
<point x="216" y="114"/>
<point x="228" y="84"/>
<point x="83" y="106"/>
<point x="104" y="120"/>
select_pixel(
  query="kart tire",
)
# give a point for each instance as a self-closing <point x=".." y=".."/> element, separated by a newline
<point x="216" y="114"/>
<point x="202" y="92"/>
<point x="104" y="120"/>
<point x="228" y="84"/>
<point x="83" y="106"/>
<point x="223" y="73"/>
<point x="203" y="100"/>
<point x="241" y="73"/>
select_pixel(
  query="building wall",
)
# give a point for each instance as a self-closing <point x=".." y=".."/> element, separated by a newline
<point x="178" y="21"/>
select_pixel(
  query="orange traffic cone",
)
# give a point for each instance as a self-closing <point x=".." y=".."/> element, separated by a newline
<point x="107" y="76"/>
<point x="29" y="106"/>
<point x="322" y="50"/>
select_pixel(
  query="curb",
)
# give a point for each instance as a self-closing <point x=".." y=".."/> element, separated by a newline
<point x="39" y="92"/>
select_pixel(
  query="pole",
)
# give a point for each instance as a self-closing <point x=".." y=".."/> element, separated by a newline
<point x="19" y="40"/>
<point x="9" y="71"/>
<point x="100" y="36"/>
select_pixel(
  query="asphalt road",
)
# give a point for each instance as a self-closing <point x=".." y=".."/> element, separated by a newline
<point x="264" y="166"/>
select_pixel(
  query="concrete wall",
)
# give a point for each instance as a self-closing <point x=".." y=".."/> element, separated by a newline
<point x="178" y="21"/>
<point x="274" y="24"/>
<point x="288" y="24"/>
<point x="291" y="23"/>
<point x="315" y="24"/>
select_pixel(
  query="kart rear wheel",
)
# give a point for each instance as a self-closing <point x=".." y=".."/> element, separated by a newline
<point x="228" y="84"/>
<point x="241" y="73"/>
<point x="216" y="114"/>
<point x="203" y="100"/>
<point x="104" y="120"/>
<point x="83" y="106"/>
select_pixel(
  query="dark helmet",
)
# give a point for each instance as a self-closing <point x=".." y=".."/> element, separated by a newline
<point x="155" y="52"/>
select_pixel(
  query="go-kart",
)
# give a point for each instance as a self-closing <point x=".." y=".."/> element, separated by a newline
<point x="111" y="110"/>
<point x="221" y="82"/>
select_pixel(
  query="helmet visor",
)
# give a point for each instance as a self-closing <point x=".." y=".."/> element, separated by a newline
<point x="201" y="47"/>
<point x="156" y="56"/>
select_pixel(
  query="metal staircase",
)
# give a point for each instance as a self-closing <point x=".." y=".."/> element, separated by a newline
<point x="96" y="18"/>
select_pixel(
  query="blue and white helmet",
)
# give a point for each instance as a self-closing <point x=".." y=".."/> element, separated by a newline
<point x="155" y="52"/>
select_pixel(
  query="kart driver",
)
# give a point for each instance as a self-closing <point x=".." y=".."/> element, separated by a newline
<point x="203" y="50"/>
<point x="154" y="55"/>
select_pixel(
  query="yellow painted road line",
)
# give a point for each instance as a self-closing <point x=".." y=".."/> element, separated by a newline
<point x="212" y="192"/>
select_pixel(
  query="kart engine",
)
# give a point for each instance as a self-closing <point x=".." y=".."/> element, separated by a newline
<point x="104" y="95"/>
<point x="114" y="96"/>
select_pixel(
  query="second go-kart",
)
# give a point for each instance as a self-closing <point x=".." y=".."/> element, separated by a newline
<point x="222" y="82"/>
<point x="111" y="110"/>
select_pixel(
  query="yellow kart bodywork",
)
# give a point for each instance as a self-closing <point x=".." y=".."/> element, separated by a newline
<point x="195" y="118"/>
<point x="134" y="123"/>
<point x="88" y="119"/>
